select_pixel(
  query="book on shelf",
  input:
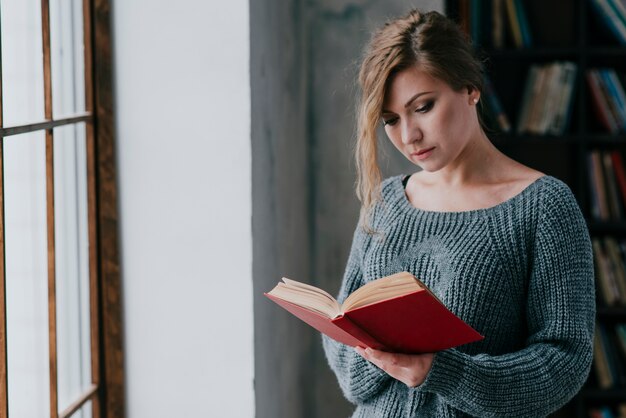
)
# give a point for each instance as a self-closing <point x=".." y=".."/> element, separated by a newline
<point x="396" y="313"/>
<point x="607" y="184"/>
<point x="615" y="202"/>
<point x="497" y="23"/>
<point x="476" y="26"/>
<point x="608" y="360"/>
<point x="594" y="185"/>
<point x="601" y="106"/>
<point x="530" y="92"/>
<point x="617" y="265"/>
<point x="523" y="24"/>
<point x="547" y="99"/>
<point x="608" y="412"/>
<point x="616" y="95"/>
<point x="616" y="358"/>
<point x="605" y="273"/>
<point x="475" y="17"/>
<point x="599" y="203"/>
<point x="563" y="109"/>
<point x="600" y="361"/>
<point x="612" y="93"/>
<point x="518" y="23"/>
<point x="609" y="257"/>
<point x="608" y="97"/>
<point x="620" y="174"/>
<point x="613" y="16"/>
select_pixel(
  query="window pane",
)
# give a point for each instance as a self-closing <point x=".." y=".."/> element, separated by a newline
<point x="26" y="275"/>
<point x="67" y="57"/>
<point x="85" y="412"/>
<point x="72" y="263"/>
<point x="22" y="61"/>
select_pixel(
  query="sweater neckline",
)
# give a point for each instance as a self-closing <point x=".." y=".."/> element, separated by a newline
<point x="408" y="207"/>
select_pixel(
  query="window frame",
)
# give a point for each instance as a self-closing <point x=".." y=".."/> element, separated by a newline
<point x="107" y="360"/>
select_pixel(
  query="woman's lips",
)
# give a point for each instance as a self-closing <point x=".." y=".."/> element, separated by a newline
<point x="423" y="154"/>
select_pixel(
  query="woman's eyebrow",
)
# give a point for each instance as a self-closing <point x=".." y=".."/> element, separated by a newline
<point x="411" y="100"/>
<point x="407" y="104"/>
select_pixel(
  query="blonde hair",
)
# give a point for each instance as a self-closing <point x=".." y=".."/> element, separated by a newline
<point x="429" y="40"/>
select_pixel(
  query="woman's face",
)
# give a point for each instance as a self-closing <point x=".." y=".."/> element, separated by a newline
<point x="427" y="121"/>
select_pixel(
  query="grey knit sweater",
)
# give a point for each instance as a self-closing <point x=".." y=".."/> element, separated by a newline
<point x="520" y="273"/>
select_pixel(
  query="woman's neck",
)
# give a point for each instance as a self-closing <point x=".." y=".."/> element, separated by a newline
<point x="478" y="163"/>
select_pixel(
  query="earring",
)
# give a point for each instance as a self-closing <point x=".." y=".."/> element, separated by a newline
<point x="475" y="100"/>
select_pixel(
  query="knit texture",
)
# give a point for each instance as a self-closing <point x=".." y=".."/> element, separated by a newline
<point x="520" y="273"/>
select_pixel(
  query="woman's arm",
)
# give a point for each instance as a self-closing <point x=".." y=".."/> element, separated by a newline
<point x="359" y="379"/>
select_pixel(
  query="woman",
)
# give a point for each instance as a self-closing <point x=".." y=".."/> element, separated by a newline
<point x="504" y="246"/>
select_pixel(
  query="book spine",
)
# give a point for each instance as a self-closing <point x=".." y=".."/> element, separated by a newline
<point x="595" y="196"/>
<point x="600" y="361"/>
<point x="498" y="24"/>
<point x="602" y="273"/>
<point x="552" y="94"/>
<point x="607" y="13"/>
<point x="523" y="23"/>
<point x="610" y="356"/>
<point x="617" y="92"/>
<point x="612" y="192"/>
<point x="618" y="266"/>
<point x="357" y="332"/>
<point x="620" y="174"/>
<point x="619" y="11"/>
<point x="600" y="185"/>
<point x="527" y="99"/>
<point x="619" y="370"/>
<point x="514" y="23"/>
<point x="537" y="103"/>
<point x="609" y="98"/>
<point x="564" y="108"/>
<point x="611" y="94"/>
<point x="601" y="107"/>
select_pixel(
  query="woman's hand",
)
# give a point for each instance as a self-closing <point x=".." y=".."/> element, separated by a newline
<point x="410" y="369"/>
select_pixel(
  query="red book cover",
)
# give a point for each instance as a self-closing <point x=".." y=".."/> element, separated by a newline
<point x="416" y="322"/>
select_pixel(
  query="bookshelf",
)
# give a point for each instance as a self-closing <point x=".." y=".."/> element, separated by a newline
<point x="571" y="31"/>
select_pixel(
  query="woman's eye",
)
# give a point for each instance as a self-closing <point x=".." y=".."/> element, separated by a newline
<point x="390" y="121"/>
<point x="426" y="107"/>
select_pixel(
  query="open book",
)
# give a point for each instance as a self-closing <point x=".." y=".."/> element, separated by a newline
<point x="396" y="313"/>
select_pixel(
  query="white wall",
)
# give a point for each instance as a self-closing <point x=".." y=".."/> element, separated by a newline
<point x="183" y="139"/>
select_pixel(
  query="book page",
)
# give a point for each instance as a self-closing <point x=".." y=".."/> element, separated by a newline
<point x="307" y="296"/>
<point x="381" y="289"/>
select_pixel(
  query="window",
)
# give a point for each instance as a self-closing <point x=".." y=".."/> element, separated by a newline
<point x="60" y="323"/>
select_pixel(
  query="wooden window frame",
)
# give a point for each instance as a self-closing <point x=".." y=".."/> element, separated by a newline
<point x="107" y="389"/>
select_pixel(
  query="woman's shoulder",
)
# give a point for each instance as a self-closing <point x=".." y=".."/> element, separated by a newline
<point x="384" y="209"/>
<point x="392" y="191"/>
<point x="554" y="190"/>
<point x="557" y="204"/>
<point x="389" y="184"/>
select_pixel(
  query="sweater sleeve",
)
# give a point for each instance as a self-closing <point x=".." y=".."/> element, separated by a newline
<point x="358" y="378"/>
<point x="557" y="357"/>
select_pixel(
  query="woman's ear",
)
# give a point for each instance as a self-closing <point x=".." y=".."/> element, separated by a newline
<point x="473" y="94"/>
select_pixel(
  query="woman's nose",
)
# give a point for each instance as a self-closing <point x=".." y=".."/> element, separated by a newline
<point x="410" y="133"/>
